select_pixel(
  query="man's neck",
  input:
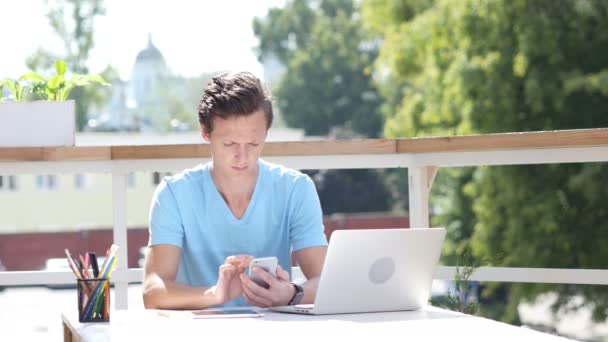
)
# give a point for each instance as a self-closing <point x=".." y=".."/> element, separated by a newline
<point x="235" y="191"/>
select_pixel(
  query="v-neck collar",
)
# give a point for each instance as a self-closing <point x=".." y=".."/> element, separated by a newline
<point x="224" y="205"/>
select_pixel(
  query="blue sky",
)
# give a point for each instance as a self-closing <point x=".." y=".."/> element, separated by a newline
<point x="195" y="36"/>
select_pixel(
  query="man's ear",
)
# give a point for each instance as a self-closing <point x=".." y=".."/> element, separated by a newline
<point x="204" y="134"/>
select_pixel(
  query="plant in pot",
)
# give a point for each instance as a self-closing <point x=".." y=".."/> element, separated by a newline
<point x="37" y="111"/>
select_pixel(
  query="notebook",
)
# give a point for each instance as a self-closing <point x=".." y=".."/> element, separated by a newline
<point x="373" y="270"/>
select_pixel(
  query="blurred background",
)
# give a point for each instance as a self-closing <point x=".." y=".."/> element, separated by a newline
<point x="338" y="69"/>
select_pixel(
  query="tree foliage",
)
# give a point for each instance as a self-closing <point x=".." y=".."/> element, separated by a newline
<point x="326" y="53"/>
<point x="487" y="66"/>
<point x="327" y="89"/>
<point x="351" y="191"/>
<point x="73" y="22"/>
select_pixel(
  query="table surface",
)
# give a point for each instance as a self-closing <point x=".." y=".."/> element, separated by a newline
<point x="428" y="324"/>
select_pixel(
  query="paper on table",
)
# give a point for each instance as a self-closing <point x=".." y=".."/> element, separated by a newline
<point x="210" y="313"/>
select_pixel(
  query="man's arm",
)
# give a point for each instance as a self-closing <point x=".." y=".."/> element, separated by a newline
<point x="161" y="291"/>
<point x="311" y="262"/>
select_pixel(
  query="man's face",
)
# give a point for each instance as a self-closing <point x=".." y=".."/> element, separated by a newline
<point x="236" y="143"/>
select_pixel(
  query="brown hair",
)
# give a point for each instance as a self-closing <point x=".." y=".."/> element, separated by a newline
<point x="228" y="95"/>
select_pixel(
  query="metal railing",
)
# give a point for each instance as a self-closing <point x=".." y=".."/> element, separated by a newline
<point x="422" y="157"/>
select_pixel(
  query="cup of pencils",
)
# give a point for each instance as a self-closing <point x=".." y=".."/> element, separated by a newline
<point x="93" y="285"/>
<point x="94" y="300"/>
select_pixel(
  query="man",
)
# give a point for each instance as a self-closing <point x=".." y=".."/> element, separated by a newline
<point x="207" y="223"/>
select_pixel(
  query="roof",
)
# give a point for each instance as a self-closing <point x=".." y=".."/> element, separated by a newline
<point x="150" y="53"/>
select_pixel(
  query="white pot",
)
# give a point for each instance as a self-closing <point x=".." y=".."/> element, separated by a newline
<point x="38" y="123"/>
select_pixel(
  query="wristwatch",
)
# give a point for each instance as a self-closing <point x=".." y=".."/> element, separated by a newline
<point x="297" y="297"/>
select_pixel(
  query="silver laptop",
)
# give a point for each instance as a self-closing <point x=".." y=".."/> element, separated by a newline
<point x="375" y="270"/>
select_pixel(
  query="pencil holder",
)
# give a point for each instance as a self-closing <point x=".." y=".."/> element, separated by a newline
<point x="94" y="300"/>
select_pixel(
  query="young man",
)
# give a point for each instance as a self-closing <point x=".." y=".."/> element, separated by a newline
<point x="207" y="223"/>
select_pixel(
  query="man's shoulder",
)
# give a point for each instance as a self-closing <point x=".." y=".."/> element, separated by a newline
<point x="280" y="173"/>
<point x="188" y="176"/>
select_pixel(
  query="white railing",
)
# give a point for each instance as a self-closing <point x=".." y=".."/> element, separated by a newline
<point x="422" y="157"/>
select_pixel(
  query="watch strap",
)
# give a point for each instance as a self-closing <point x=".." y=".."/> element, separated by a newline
<point x="297" y="296"/>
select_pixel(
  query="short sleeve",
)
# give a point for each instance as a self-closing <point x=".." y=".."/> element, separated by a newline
<point x="306" y="221"/>
<point x="166" y="226"/>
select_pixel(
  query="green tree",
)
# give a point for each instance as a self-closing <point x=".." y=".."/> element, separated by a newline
<point x="351" y="190"/>
<point x="327" y="89"/>
<point x="179" y="97"/>
<point x="326" y="53"/>
<point x="284" y="31"/>
<point x="73" y="22"/>
<point x="485" y="66"/>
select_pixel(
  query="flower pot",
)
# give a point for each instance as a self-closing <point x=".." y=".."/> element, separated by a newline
<point x="38" y="123"/>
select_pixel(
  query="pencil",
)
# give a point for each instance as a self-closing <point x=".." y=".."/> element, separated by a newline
<point x="72" y="264"/>
<point x="94" y="264"/>
<point x="106" y="303"/>
<point x="85" y="267"/>
<point x="111" y="253"/>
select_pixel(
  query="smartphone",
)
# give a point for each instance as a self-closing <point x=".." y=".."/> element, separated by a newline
<point x="268" y="264"/>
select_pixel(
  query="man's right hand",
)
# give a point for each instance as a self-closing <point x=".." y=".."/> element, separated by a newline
<point x="228" y="285"/>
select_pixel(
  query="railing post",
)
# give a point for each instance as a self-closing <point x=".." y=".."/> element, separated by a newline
<point x="119" y="208"/>
<point x="420" y="181"/>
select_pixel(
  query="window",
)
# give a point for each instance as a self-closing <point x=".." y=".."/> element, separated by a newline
<point x="8" y="183"/>
<point x="46" y="182"/>
<point x="131" y="180"/>
<point x="82" y="181"/>
<point x="158" y="176"/>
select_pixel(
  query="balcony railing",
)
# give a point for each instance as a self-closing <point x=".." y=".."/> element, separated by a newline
<point x="422" y="157"/>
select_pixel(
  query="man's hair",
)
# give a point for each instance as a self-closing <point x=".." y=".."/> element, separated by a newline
<point x="228" y="95"/>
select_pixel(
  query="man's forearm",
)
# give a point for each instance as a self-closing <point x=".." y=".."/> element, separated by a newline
<point x="310" y="290"/>
<point x="158" y="294"/>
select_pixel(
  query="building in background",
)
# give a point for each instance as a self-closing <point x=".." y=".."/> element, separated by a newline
<point x="153" y="100"/>
<point x="149" y="72"/>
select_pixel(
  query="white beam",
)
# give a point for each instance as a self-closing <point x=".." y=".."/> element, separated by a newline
<point x="18" y="278"/>
<point x="420" y="181"/>
<point x="530" y="275"/>
<point x="119" y="210"/>
<point x="489" y="274"/>
<point x="514" y="157"/>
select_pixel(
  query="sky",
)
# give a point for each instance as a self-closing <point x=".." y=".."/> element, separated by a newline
<point x="194" y="36"/>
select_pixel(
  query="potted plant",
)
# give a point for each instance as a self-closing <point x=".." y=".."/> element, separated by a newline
<point x="37" y="111"/>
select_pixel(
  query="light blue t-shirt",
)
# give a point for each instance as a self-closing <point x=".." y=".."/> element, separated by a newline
<point x="188" y="211"/>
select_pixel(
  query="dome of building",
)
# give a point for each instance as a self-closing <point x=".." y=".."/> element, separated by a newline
<point x="151" y="52"/>
<point x="149" y="72"/>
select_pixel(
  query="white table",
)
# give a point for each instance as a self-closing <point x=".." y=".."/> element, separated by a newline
<point x="429" y="324"/>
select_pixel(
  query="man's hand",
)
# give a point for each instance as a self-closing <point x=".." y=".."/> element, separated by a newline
<point x="278" y="293"/>
<point x="228" y="285"/>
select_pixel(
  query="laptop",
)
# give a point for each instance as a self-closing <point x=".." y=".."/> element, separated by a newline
<point x="372" y="270"/>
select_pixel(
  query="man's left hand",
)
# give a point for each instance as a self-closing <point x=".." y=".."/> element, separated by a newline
<point x="278" y="293"/>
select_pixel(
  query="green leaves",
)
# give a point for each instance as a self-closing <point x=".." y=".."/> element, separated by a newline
<point x="15" y="89"/>
<point x="60" y="67"/>
<point x="488" y="66"/>
<point x="326" y="53"/>
<point x="53" y="88"/>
